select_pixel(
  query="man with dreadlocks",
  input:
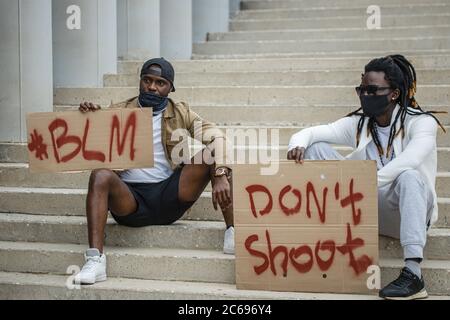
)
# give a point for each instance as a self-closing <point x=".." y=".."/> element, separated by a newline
<point x="392" y="129"/>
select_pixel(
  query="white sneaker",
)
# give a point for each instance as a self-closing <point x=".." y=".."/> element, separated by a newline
<point x="94" y="269"/>
<point x="228" y="241"/>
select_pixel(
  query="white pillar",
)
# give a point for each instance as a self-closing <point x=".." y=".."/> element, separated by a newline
<point x="235" y="6"/>
<point x="176" y="29"/>
<point x="138" y="23"/>
<point x="26" y="83"/>
<point x="84" y="42"/>
<point x="210" y="16"/>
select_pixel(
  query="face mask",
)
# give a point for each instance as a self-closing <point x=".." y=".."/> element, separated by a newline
<point x="374" y="106"/>
<point x="151" y="100"/>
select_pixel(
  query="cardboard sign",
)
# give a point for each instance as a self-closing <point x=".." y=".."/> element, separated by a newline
<point x="310" y="228"/>
<point x="69" y="141"/>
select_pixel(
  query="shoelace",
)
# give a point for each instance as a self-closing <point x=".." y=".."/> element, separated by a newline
<point x="402" y="280"/>
<point x="91" y="263"/>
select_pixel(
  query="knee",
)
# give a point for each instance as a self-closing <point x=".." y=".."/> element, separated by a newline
<point x="100" y="178"/>
<point x="315" y="149"/>
<point x="409" y="177"/>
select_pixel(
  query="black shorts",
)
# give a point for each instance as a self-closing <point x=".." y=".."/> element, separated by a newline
<point x="157" y="203"/>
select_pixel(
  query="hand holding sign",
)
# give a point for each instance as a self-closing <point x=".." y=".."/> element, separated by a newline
<point x="297" y="154"/>
<point x="88" y="106"/>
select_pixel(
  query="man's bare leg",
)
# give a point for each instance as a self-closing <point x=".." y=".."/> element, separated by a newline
<point x="105" y="190"/>
<point x="193" y="181"/>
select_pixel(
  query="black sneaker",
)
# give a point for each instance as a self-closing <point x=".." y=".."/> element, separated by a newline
<point x="407" y="286"/>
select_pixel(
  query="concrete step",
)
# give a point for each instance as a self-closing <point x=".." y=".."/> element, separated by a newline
<point x="444" y="218"/>
<point x="291" y="4"/>
<point x="18" y="153"/>
<point x="343" y="12"/>
<point x="137" y="263"/>
<point x="183" y="234"/>
<point x="286" y="131"/>
<point x="370" y="54"/>
<point x="442" y="184"/>
<point x="18" y="286"/>
<point x="72" y="202"/>
<point x="331" y="21"/>
<point x="279" y="152"/>
<point x="247" y="95"/>
<point x="338" y="33"/>
<point x="266" y="115"/>
<point x="168" y="264"/>
<point x="13" y="152"/>
<point x="282" y="78"/>
<point x="329" y="45"/>
<point x="18" y="175"/>
<point x="436" y="248"/>
<point x="282" y="65"/>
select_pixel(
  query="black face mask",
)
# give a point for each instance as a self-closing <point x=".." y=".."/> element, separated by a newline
<point x="374" y="106"/>
<point x="151" y="100"/>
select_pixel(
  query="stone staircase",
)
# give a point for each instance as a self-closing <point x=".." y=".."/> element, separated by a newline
<point x="286" y="64"/>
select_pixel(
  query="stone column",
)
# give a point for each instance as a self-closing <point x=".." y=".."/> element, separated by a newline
<point x="235" y="7"/>
<point x="210" y="16"/>
<point x="138" y="23"/>
<point x="26" y="64"/>
<point x="84" y="42"/>
<point x="176" y="29"/>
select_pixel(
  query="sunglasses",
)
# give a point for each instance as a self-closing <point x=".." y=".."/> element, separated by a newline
<point x="370" y="89"/>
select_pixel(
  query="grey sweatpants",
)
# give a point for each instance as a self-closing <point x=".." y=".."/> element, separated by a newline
<point x="404" y="206"/>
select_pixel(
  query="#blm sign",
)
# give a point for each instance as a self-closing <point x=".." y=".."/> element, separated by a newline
<point x="310" y="228"/>
<point x="71" y="140"/>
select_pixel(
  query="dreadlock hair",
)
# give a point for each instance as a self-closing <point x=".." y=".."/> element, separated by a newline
<point x="401" y="75"/>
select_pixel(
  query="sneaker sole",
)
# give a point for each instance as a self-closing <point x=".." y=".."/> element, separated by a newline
<point x="97" y="279"/>
<point x="228" y="251"/>
<point x="420" y="295"/>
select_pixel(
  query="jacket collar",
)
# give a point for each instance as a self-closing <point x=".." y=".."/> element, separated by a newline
<point x="170" y="110"/>
<point x="132" y="103"/>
